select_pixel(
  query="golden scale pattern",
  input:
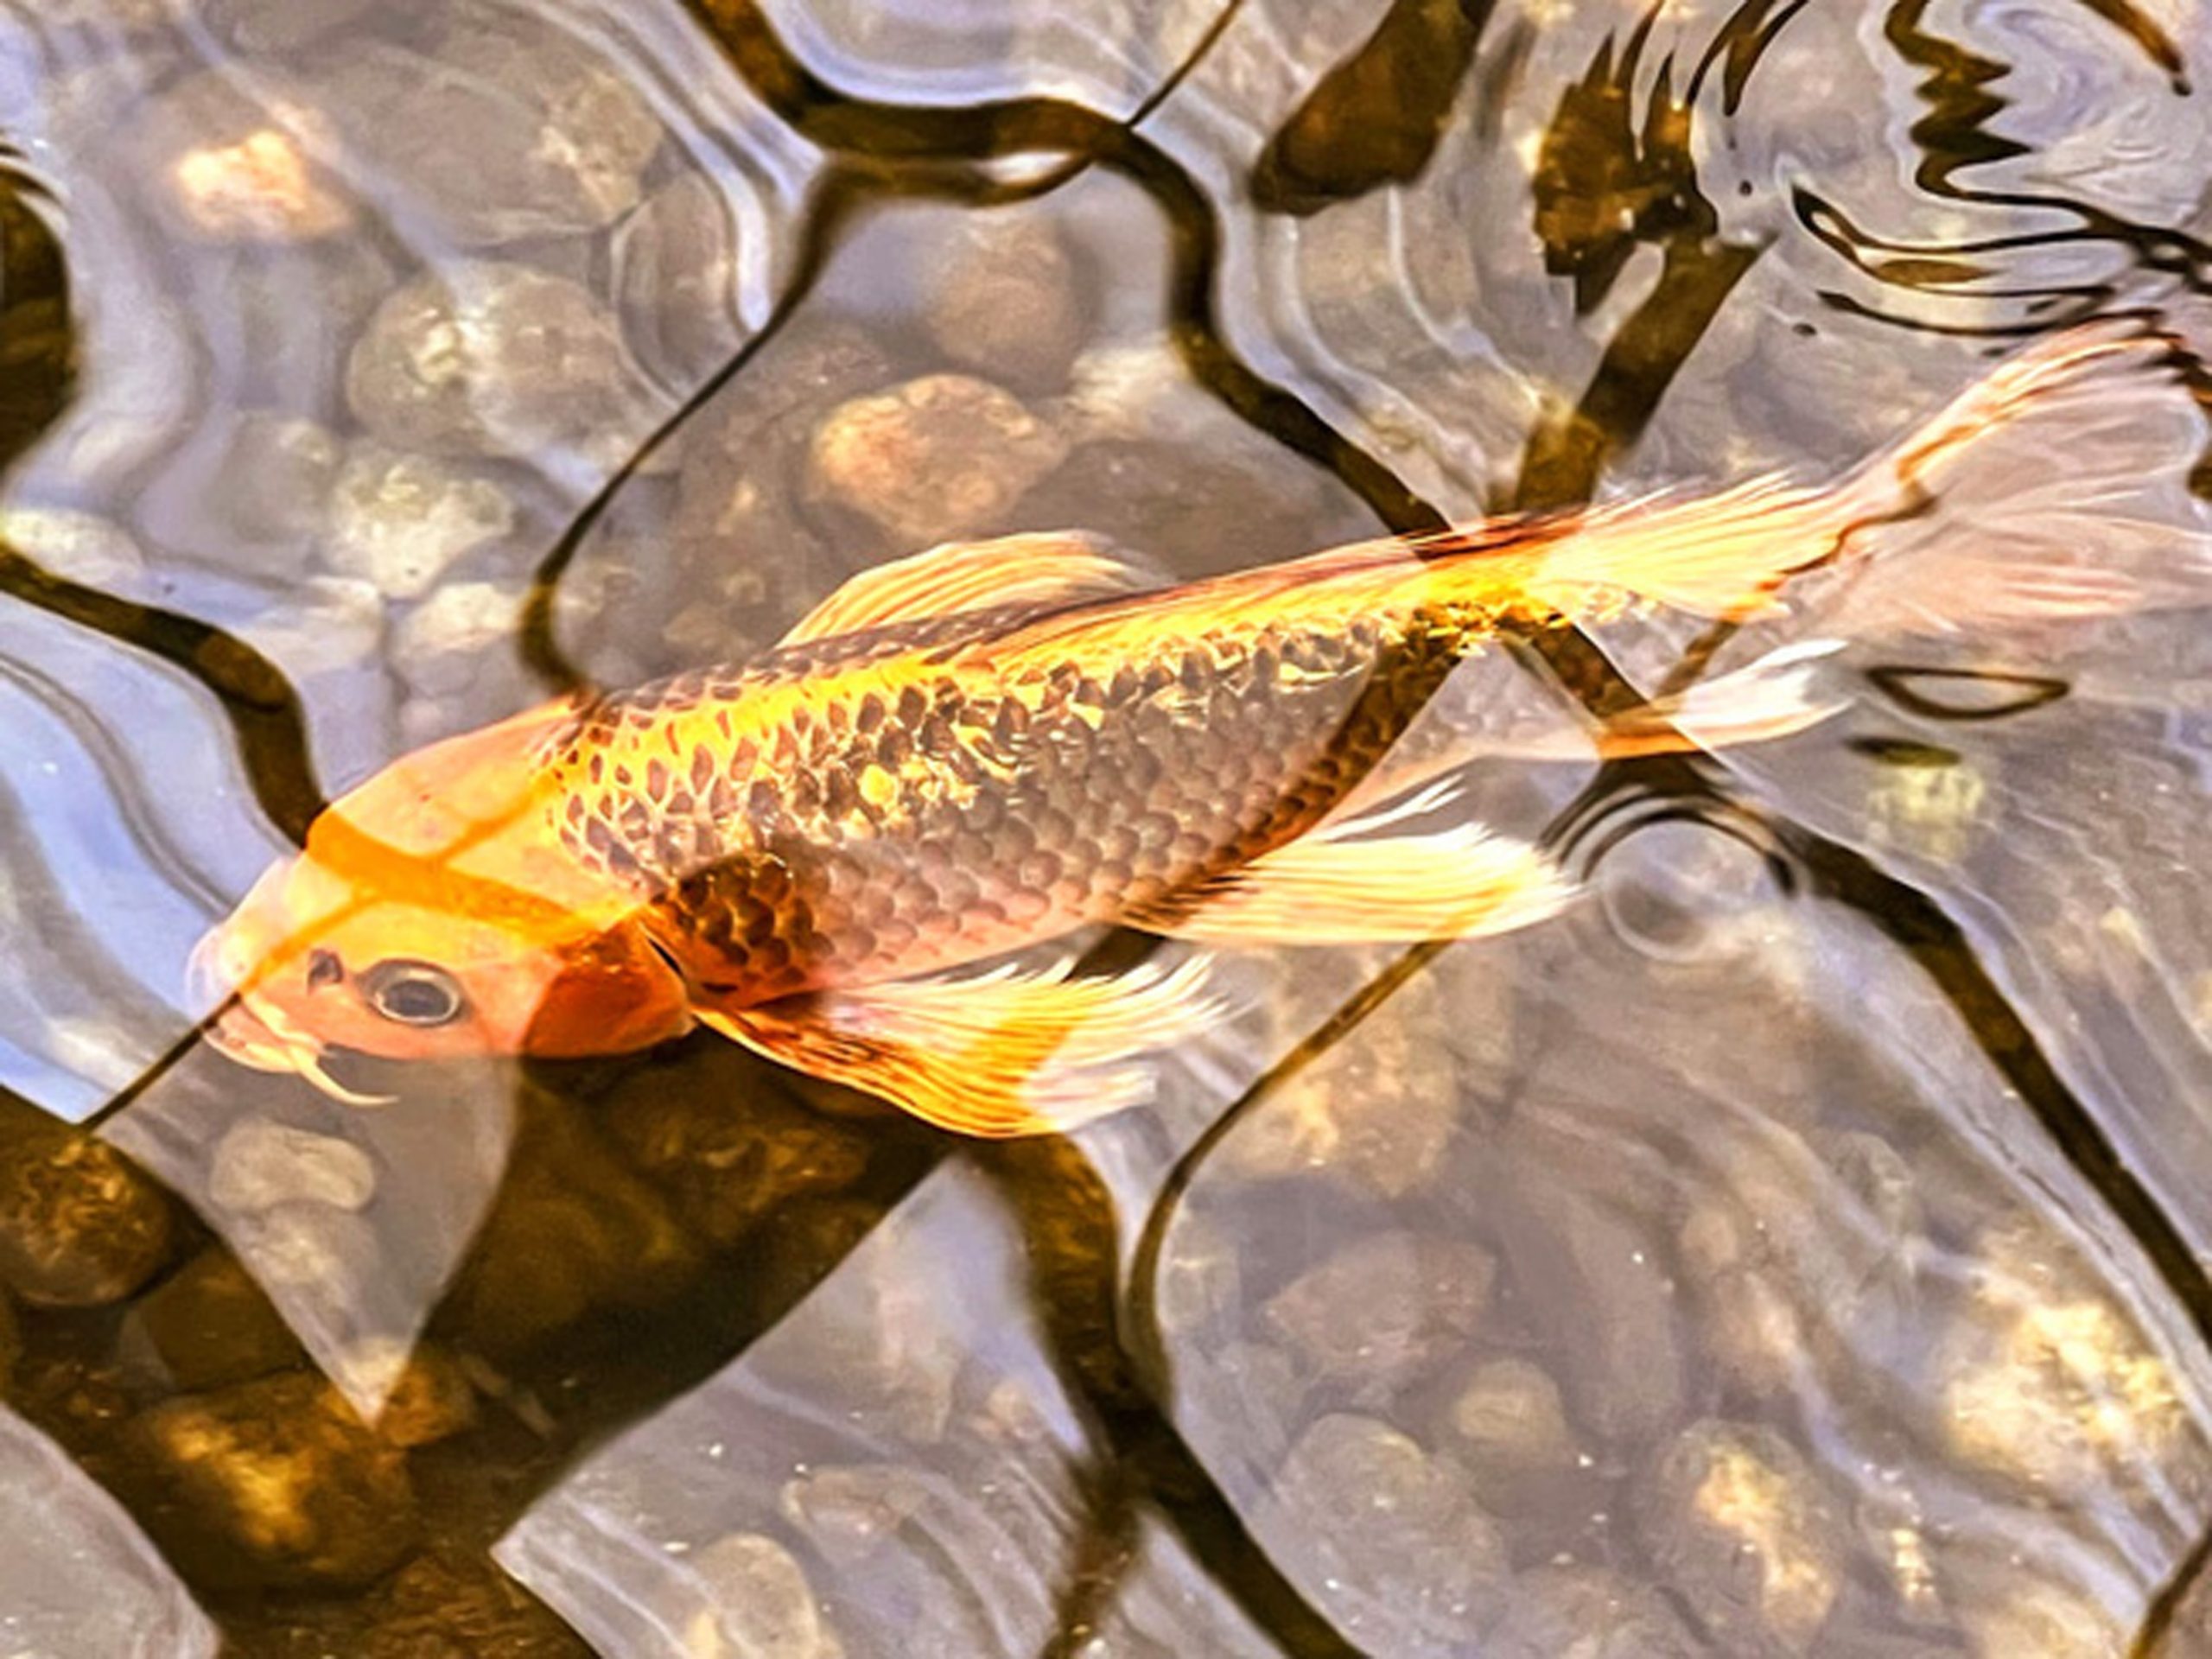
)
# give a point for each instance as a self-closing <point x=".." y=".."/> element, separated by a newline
<point x="930" y="799"/>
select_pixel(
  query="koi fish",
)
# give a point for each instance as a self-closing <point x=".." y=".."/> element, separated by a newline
<point x="837" y="854"/>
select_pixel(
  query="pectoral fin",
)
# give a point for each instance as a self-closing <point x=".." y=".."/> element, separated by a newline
<point x="997" y="1054"/>
<point x="1346" y="885"/>
<point x="1028" y="570"/>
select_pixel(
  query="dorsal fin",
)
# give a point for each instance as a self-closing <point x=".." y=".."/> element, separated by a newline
<point x="1038" y="569"/>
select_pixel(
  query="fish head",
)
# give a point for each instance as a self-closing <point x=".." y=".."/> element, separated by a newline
<point x="431" y="916"/>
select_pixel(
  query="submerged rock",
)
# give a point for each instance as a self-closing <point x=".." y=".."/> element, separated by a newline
<point x="1215" y="504"/>
<point x="1392" y="1544"/>
<point x="1376" y="1113"/>
<point x="449" y="641"/>
<point x="79" y="1225"/>
<point x="1933" y="812"/>
<point x="746" y="450"/>
<point x="1386" y="1309"/>
<point x="1586" y="1612"/>
<point x="431" y="1398"/>
<point x="1599" y="1291"/>
<point x="850" y="1513"/>
<point x="1893" y="1531"/>
<point x="490" y="358"/>
<point x="938" y="458"/>
<point x="1736" y="1519"/>
<point x="1004" y="302"/>
<point x="1512" y="1426"/>
<point x="2008" y="1610"/>
<point x="741" y="557"/>
<point x="210" y="1324"/>
<point x="503" y="133"/>
<point x="259" y="1165"/>
<point x="399" y="521"/>
<point x="2045" y="1379"/>
<point x="455" y="1603"/>
<point x="227" y="167"/>
<point x="759" y="1604"/>
<point x="273" y="1482"/>
<point x="729" y="1156"/>
<point x="1803" y="1252"/>
<point x="573" y="1232"/>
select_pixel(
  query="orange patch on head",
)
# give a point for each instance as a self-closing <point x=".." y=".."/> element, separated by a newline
<point x="434" y="914"/>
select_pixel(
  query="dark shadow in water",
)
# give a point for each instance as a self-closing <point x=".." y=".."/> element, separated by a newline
<point x="1955" y="135"/>
<point x="1903" y="752"/>
<point x="259" y="702"/>
<point x="1738" y="45"/>
<point x="1604" y="188"/>
<point x="38" y="338"/>
<point x="38" y="363"/>
<point x="1376" y="117"/>
<point x="1070" y="1239"/>
<point x="1964" y="695"/>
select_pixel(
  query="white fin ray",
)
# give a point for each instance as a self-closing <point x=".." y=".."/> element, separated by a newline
<point x="1343" y="884"/>
<point x="1008" y="1052"/>
<point x="2005" y="506"/>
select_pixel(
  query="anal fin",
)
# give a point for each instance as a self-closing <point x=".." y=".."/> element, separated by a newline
<point x="996" y="1055"/>
<point x="1026" y="569"/>
<point x="1343" y="884"/>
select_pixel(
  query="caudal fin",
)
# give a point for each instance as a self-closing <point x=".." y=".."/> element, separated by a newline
<point x="2058" y="486"/>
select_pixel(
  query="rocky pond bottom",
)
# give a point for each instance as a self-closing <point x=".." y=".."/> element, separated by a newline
<point x="1793" y="1251"/>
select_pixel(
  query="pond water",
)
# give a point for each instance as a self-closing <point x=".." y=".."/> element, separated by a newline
<point x="1796" y="1247"/>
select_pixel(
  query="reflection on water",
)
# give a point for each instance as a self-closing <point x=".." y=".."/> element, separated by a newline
<point x="1793" y="1251"/>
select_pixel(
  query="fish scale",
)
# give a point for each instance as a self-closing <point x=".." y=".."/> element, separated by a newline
<point x="931" y="801"/>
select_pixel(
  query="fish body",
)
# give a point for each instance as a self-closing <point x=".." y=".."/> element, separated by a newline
<point x="919" y="796"/>
<point x="981" y="749"/>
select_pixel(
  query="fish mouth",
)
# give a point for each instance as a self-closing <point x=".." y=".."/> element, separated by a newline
<point x="255" y="1034"/>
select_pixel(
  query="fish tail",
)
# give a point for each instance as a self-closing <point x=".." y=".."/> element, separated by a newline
<point x="2055" y="487"/>
<point x="2058" y="487"/>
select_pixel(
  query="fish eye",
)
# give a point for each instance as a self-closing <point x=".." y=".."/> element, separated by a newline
<point x="413" y="992"/>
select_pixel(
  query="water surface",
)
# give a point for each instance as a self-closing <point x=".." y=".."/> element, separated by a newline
<point x="1796" y="1249"/>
